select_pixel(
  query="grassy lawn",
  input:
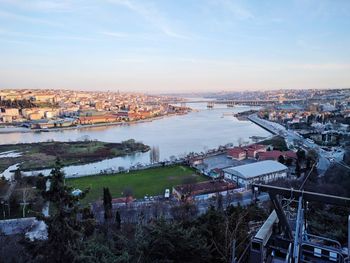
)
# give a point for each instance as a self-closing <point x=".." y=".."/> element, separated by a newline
<point x="151" y="181"/>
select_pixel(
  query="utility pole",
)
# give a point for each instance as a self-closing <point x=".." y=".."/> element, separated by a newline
<point x="233" y="260"/>
<point x="349" y="238"/>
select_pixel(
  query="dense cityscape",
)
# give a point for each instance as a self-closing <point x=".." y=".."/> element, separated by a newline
<point x="44" y="109"/>
<point x="307" y="146"/>
<point x="151" y="131"/>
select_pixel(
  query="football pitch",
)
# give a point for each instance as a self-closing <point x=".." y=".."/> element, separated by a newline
<point x="150" y="182"/>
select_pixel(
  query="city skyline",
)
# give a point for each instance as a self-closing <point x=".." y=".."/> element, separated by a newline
<point x="182" y="46"/>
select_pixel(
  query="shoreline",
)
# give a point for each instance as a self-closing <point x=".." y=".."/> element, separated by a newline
<point x="28" y="130"/>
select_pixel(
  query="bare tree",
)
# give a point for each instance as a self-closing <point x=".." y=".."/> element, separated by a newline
<point x="127" y="193"/>
<point x="188" y="186"/>
<point x="154" y="154"/>
<point x="27" y="194"/>
<point x="240" y="141"/>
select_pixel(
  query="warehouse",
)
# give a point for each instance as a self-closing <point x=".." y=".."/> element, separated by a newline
<point x="264" y="172"/>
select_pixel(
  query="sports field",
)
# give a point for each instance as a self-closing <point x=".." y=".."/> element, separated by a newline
<point x="144" y="182"/>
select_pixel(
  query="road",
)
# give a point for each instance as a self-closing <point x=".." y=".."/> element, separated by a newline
<point x="291" y="137"/>
<point x="131" y="212"/>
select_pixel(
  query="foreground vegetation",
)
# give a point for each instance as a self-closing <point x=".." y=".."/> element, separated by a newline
<point x="324" y="219"/>
<point x="277" y="142"/>
<point x="73" y="235"/>
<point x="143" y="182"/>
<point x="42" y="155"/>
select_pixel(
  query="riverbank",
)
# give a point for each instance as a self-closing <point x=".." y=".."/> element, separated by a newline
<point x="14" y="129"/>
<point x="38" y="156"/>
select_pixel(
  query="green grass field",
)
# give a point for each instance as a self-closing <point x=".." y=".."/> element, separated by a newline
<point x="150" y="181"/>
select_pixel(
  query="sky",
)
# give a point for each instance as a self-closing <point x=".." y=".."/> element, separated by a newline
<point x="159" y="46"/>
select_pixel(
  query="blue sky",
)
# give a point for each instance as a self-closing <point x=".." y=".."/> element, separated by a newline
<point x="174" y="45"/>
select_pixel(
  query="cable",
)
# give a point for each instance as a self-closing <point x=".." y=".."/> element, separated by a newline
<point x="342" y="164"/>
<point x="302" y="185"/>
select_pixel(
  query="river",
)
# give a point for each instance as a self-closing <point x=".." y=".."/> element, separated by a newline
<point x="176" y="136"/>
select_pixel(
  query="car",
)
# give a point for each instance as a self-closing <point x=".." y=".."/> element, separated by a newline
<point x="167" y="193"/>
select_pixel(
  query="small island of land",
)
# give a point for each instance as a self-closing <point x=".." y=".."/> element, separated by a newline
<point x="36" y="156"/>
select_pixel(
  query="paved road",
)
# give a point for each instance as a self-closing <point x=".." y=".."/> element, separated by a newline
<point x="291" y="137"/>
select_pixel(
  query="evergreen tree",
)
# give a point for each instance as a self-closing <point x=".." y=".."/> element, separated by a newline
<point x="17" y="175"/>
<point x="107" y="203"/>
<point x="117" y="220"/>
<point x="300" y="155"/>
<point x="219" y="202"/>
<point x="171" y="242"/>
<point x="94" y="251"/>
<point x="65" y="231"/>
<point x="41" y="182"/>
<point x="297" y="169"/>
<point x="281" y="159"/>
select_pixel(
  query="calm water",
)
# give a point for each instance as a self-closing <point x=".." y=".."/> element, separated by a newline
<point x="175" y="136"/>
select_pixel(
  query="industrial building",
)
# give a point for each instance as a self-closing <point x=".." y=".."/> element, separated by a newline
<point x="264" y="171"/>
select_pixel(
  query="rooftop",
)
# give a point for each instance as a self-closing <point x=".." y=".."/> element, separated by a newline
<point x="206" y="187"/>
<point x="256" y="169"/>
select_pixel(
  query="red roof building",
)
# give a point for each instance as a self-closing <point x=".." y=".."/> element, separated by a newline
<point x="254" y="149"/>
<point x="270" y="155"/>
<point x="97" y="119"/>
<point x="237" y="153"/>
<point x="274" y="155"/>
<point x="204" y="190"/>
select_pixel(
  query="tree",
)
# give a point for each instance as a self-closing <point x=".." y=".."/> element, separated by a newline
<point x="27" y="194"/>
<point x="312" y="154"/>
<point x="219" y="201"/>
<point x="107" y="203"/>
<point x="172" y="242"/>
<point x="188" y="186"/>
<point x="281" y="159"/>
<point x="117" y="220"/>
<point x="222" y="229"/>
<point x="93" y="251"/>
<point x="17" y="175"/>
<point x="300" y="155"/>
<point x="297" y="169"/>
<point x="41" y="182"/>
<point x="65" y="231"/>
<point x="289" y="161"/>
<point x="240" y="141"/>
<point x="127" y="193"/>
<point x="154" y="154"/>
<point x="184" y="212"/>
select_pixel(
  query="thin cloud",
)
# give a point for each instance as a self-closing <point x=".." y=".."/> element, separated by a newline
<point x="326" y="66"/>
<point x="25" y="35"/>
<point x="8" y="15"/>
<point x="236" y="10"/>
<point x="305" y="45"/>
<point x="115" y="34"/>
<point x="152" y="15"/>
<point x="41" y="5"/>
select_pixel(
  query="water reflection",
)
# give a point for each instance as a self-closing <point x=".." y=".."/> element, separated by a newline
<point x="175" y="136"/>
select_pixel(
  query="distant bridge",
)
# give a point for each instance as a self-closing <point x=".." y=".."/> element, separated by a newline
<point x="232" y="103"/>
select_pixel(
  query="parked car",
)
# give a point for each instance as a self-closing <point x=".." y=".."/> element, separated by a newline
<point x="167" y="193"/>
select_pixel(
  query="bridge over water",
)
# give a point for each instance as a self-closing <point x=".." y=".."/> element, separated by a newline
<point x="232" y="103"/>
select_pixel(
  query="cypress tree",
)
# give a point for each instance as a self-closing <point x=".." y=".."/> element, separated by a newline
<point x="107" y="203"/>
<point x="65" y="231"/>
<point x="117" y="220"/>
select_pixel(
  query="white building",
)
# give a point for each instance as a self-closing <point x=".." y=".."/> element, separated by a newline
<point x="264" y="172"/>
